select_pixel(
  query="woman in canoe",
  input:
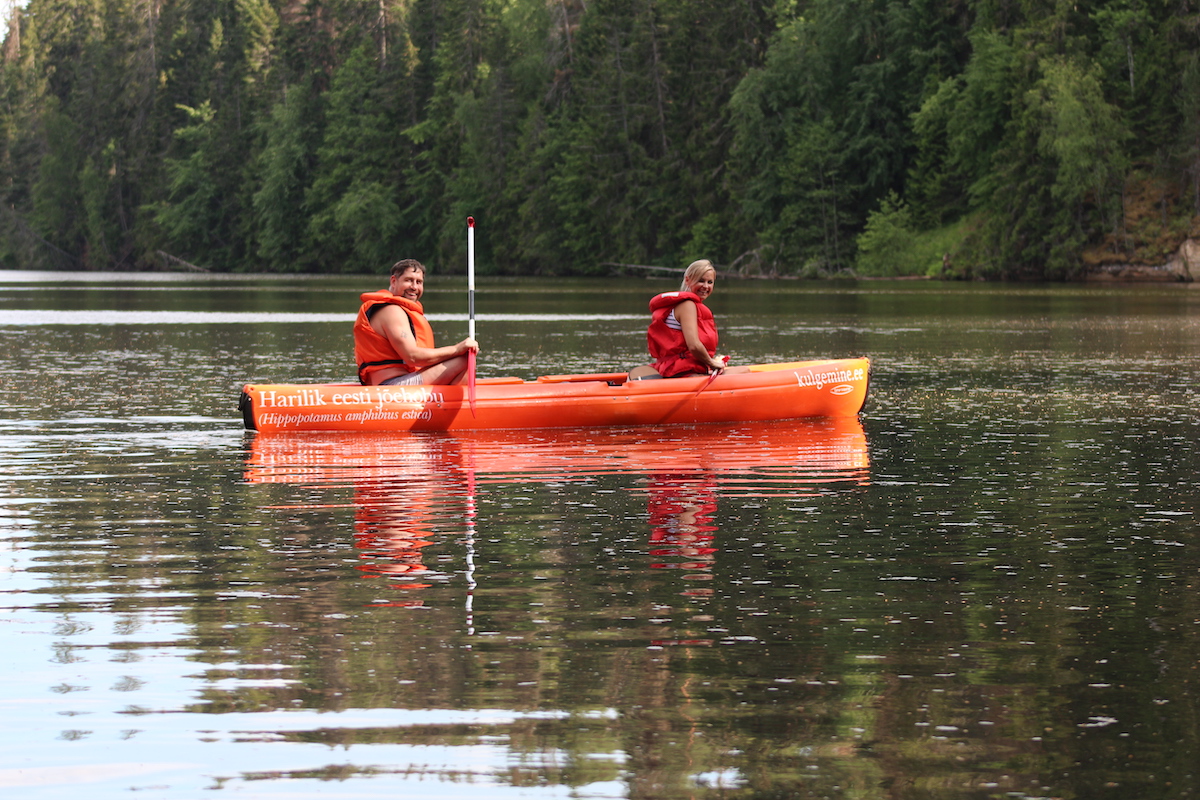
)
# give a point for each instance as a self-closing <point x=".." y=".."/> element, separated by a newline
<point x="683" y="334"/>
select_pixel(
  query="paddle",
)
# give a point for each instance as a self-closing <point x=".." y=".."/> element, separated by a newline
<point x="471" y="311"/>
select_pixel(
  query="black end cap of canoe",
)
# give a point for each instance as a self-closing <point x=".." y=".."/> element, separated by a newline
<point x="867" y="393"/>
<point x="246" y="407"/>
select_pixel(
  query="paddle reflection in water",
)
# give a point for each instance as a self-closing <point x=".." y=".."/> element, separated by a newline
<point x="405" y="486"/>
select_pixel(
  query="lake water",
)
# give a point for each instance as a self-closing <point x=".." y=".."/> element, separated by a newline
<point x="987" y="587"/>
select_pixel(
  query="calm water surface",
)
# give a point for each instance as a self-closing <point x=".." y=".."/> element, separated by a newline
<point x="988" y="587"/>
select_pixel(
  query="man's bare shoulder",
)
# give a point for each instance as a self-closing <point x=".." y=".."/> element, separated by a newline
<point x="391" y="318"/>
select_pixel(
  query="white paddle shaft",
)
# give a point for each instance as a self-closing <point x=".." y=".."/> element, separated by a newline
<point x="471" y="277"/>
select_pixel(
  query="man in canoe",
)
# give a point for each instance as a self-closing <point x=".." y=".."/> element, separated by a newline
<point x="393" y="342"/>
<point x="683" y="334"/>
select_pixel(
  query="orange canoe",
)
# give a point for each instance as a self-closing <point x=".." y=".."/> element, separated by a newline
<point x="793" y="390"/>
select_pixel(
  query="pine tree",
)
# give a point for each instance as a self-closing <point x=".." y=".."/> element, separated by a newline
<point x="354" y="201"/>
<point x="284" y="174"/>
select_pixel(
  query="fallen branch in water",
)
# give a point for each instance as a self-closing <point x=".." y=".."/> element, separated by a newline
<point x="177" y="260"/>
<point x="639" y="266"/>
<point x="676" y="270"/>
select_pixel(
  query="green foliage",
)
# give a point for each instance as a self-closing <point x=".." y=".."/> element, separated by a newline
<point x="1059" y="171"/>
<point x="892" y="245"/>
<point x="823" y="129"/>
<point x="476" y="130"/>
<point x="284" y="174"/>
<point x="1079" y="131"/>
<point x="57" y="212"/>
<point x="258" y="26"/>
<point x="354" y="201"/>
<point x="774" y="136"/>
<point x="199" y="215"/>
<point x="709" y="235"/>
<point x="786" y="155"/>
<point x="97" y="194"/>
<point x="1188" y="137"/>
<point x="887" y="246"/>
<point x="958" y="128"/>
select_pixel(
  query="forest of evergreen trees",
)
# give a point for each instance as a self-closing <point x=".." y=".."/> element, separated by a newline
<point x="794" y="137"/>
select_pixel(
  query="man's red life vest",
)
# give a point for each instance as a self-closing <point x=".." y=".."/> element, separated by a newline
<point x="372" y="351"/>
<point x="665" y="336"/>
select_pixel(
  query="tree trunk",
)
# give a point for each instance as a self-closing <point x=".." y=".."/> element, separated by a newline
<point x="657" y="77"/>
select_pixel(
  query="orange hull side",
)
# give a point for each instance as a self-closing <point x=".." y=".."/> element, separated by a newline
<point x="768" y="392"/>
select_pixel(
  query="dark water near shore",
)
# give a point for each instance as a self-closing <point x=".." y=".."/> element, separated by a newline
<point x="988" y="587"/>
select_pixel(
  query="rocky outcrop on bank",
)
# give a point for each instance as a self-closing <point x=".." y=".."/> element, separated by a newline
<point x="1183" y="267"/>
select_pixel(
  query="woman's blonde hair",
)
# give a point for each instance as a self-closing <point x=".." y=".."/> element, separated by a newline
<point x="694" y="271"/>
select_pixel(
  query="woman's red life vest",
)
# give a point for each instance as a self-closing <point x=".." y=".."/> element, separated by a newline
<point x="665" y="336"/>
<point x="372" y="351"/>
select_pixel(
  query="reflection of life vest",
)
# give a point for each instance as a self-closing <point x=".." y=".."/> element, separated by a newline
<point x="392" y="522"/>
<point x="387" y="547"/>
<point x="665" y="336"/>
<point x="373" y="351"/>
<point x="680" y="528"/>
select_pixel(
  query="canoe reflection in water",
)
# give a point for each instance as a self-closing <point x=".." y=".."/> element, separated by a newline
<point x="413" y="489"/>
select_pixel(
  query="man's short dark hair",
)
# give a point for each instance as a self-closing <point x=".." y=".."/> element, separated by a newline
<point x="404" y="265"/>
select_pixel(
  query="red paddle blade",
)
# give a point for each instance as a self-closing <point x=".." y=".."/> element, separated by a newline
<point x="471" y="380"/>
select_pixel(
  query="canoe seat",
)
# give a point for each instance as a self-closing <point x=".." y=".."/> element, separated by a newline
<point x="611" y="378"/>
<point x="495" y="381"/>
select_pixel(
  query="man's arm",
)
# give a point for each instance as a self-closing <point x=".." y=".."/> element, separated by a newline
<point x="392" y="323"/>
